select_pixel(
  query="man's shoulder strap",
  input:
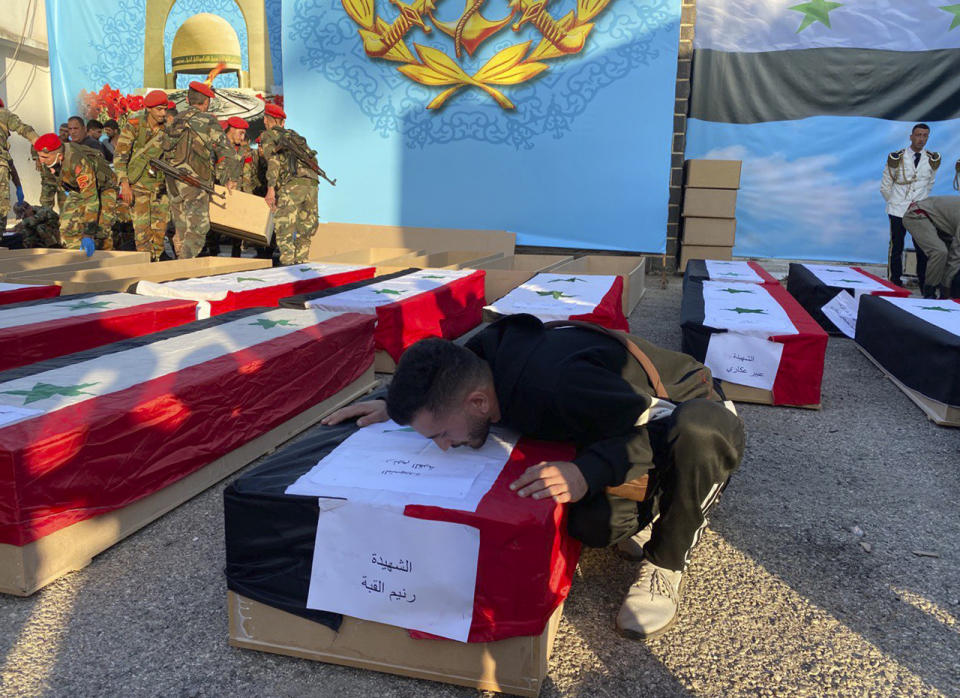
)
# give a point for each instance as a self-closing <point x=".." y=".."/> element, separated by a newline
<point x="934" y="159"/>
<point x="895" y="158"/>
<point x="648" y="366"/>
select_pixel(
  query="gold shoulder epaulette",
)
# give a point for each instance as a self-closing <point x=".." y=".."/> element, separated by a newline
<point x="893" y="159"/>
<point x="934" y="159"/>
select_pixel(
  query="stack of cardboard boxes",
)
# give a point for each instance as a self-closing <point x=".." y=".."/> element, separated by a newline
<point x="709" y="210"/>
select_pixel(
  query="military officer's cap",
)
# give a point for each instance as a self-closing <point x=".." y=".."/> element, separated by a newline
<point x="203" y="88"/>
<point x="47" y="143"/>
<point x="155" y="98"/>
<point x="274" y="111"/>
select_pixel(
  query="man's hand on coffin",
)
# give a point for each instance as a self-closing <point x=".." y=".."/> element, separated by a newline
<point x="368" y="412"/>
<point x="560" y="480"/>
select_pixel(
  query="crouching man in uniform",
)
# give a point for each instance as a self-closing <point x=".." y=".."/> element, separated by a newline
<point x="655" y="443"/>
<point x="91" y="207"/>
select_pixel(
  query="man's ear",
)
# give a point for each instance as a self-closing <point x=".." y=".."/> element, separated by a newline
<point x="477" y="402"/>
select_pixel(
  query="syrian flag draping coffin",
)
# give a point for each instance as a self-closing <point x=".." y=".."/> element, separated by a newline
<point x="817" y="285"/>
<point x="251" y="289"/>
<point x="916" y="341"/>
<point x="524" y="564"/>
<point x="409" y="305"/>
<point x="590" y="298"/>
<point x="19" y="293"/>
<point x="755" y="336"/>
<point x="743" y="272"/>
<point x="88" y="434"/>
<point x="44" y="329"/>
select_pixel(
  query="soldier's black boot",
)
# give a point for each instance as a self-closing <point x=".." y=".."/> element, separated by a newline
<point x="929" y="291"/>
<point x="945" y="293"/>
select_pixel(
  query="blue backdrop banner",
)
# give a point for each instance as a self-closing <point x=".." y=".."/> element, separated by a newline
<point x="551" y="121"/>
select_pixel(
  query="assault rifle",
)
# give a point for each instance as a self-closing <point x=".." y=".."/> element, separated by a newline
<point x="285" y="142"/>
<point x="185" y="177"/>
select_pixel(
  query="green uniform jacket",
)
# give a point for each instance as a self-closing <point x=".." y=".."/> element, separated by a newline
<point x="196" y="141"/>
<point x="10" y="123"/>
<point x="136" y="134"/>
<point x="283" y="166"/>
<point x="79" y="174"/>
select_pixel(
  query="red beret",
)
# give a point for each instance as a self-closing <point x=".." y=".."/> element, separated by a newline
<point x="202" y="88"/>
<point x="171" y="105"/>
<point x="47" y="143"/>
<point x="237" y="122"/>
<point x="274" y="111"/>
<point x="155" y="98"/>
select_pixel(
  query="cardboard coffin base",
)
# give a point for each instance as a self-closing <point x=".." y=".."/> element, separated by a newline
<point x="516" y="666"/>
<point x="757" y="396"/>
<point x="25" y="569"/>
<point x="939" y="412"/>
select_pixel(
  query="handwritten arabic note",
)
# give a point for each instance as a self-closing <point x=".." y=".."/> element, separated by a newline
<point x="379" y="565"/>
<point x="443" y="477"/>
<point x="744" y="359"/>
<point x="842" y="312"/>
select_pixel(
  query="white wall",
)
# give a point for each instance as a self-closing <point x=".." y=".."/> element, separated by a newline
<point x="25" y="81"/>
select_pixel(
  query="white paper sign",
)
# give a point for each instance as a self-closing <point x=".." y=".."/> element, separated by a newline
<point x="459" y="478"/>
<point x="11" y="413"/>
<point x="429" y="474"/>
<point x="379" y="565"/>
<point x="841" y="310"/>
<point x="744" y="359"/>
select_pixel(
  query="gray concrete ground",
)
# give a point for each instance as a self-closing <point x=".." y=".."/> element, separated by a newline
<point x="783" y="597"/>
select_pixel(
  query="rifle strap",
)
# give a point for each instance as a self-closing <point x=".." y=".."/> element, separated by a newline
<point x="146" y="145"/>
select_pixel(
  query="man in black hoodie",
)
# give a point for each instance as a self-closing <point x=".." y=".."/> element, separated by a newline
<point x="663" y="425"/>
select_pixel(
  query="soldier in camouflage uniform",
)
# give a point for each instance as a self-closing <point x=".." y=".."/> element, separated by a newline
<point x="195" y="142"/>
<point x="9" y="123"/>
<point x="291" y="188"/>
<point x="248" y="161"/>
<point x="139" y="141"/>
<point x="91" y="206"/>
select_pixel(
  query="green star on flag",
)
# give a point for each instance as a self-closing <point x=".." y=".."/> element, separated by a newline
<point x="304" y="270"/>
<point x="568" y="281"/>
<point x="557" y="295"/>
<point x="390" y="431"/>
<point x="390" y="291"/>
<point x="241" y="279"/>
<point x="815" y="11"/>
<point x="42" y="391"/>
<point x="735" y="290"/>
<point x="955" y="11"/>
<point x="742" y="311"/>
<point x="432" y="276"/>
<point x="850" y="281"/>
<point x="268" y="324"/>
<point x="938" y="308"/>
<point x="89" y="304"/>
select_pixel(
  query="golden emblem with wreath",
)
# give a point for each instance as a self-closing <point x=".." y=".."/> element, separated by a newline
<point x="510" y="66"/>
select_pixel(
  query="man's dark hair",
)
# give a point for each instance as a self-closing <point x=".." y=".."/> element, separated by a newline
<point x="171" y="110"/>
<point x="93" y="123"/>
<point x="78" y="119"/>
<point x="111" y="123"/>
<point x="433" y="374"/>
<point x="916" y="126"/>
<point x="194" y="98"/>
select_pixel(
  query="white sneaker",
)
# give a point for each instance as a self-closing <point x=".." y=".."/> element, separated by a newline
<point x="651" y="604"/>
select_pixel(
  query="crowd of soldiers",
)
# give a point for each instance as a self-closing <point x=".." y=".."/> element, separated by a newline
<point x="146" y="176"/>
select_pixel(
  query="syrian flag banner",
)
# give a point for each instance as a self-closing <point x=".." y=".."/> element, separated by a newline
<point x="259" y="288"/>
<point x="816" y="285"/>
<point x="44" y="329"/>
<point x="755" y="335"/>
<point x="18" y="293"/>
<point x="519" y="554"/>
<point x="409" y="305"/>
<point x="93" y="432"/>
<point x="597" y="299"/>
<point x="722" y="270"/>
<point x="917" y="341"/>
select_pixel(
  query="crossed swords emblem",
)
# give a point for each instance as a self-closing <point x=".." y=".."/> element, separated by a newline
<point x="560" y="37"/>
